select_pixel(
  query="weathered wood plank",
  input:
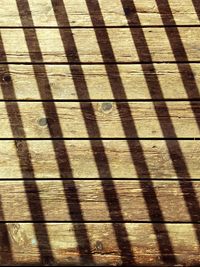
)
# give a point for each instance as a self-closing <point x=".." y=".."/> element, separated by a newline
<point x="142" y="241"/>
<point x="88" y="49"/>
<point x="150" y="157"/>
<point x="75" y="118"/>
<point x="133" y="77"/>
<point x="113" y="13"/>
<point x="52" y="195"/>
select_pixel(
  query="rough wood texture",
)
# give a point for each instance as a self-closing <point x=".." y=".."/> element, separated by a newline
<point x="72" y="221"/>
<point x="132" y="76"/>
<point x="103" y="249"/>
<point x="74" y="118"/>
<point x="126" y="159"/>
<point x="91" y="194"/>
<point x="88" y="49"/>
<point x="113" y="13"/>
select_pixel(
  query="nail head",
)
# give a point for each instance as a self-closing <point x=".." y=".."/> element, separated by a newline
<point x="106" y="106"/>
<point x="6" y="78"/>
<point x="43" y="122"/>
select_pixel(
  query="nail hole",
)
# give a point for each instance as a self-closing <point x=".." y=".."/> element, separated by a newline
<point x="43" y="122"/>
<point x="99" y="246"/>
<point x="106" y="106"/>
<point x="7" y="78"/>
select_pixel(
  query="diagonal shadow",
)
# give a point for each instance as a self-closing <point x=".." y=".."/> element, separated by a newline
<point x="191" y="89"/>
<point x="60" y="150"/>
<point x="130" y="130"/>
<point x="6" y="255"/>
<point x="25" y="162"/>
<point x="196" y="5"/>
<point x="174" y="148"/>
<point x="99" y="153"/>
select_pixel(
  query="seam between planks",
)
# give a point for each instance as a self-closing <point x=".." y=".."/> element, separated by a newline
<point x="104" y="27"/>
<point x="102" y="63"/>
<point x="99" y="179"/>
<point x="99" y="138"/>
<point x="103" y="100"/>
<point x="102" y="221"/>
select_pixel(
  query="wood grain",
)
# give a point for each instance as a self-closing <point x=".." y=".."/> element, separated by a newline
<point x="77" y="221"/>
<point x="113" y="13"/>
<point x="104" y="248"/>
<point x="60" y="80"/>
<point x="14" y="195"/>
<point x="182" y="162"/>
<point x="76" y="118"/>
<point x="88" y="49"/>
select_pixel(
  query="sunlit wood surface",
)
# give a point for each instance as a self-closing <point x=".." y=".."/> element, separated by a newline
<point x="100" y="132"/>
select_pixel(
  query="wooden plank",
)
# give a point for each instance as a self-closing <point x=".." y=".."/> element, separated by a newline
<point x="142" y="242"/>
<point x="108" y="158"/>
<point x="14" y="195"/>
<point x="88" y="49"/>
<point x="113" y="13"/>
<point x="60" y="80"/>
<point x="76" y="119"/>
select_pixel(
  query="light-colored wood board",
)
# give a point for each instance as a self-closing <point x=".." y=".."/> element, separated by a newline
<point x="142" y="243"/>
<point x="55" y="196"/>
<point x="60" y="80"/>
<point x="113" y="14"/>
<point x="114" y="158"/>
<point x="88" y="49"/>
<point x="158" y="119"/>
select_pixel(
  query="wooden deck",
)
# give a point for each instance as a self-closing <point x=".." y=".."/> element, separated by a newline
<point x="100" y="132"/>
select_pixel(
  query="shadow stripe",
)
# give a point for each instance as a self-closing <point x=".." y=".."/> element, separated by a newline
<point x="136" y="150"/>
<point x="26" y="166"/>
<point x="101" y="159"/>
<point x="75" y="211"/>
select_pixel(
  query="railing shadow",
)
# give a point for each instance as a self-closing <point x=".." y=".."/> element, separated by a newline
<point x="192" y="91"/>
<point x="60" y="149"/>
<point x="101" y="159"/>
<point x="25" y="162"/>
<point x="130" y="130"/>
<point x="196" y="5"/>
<point x="6" y="254"/>
<point x="139" y="40"/>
